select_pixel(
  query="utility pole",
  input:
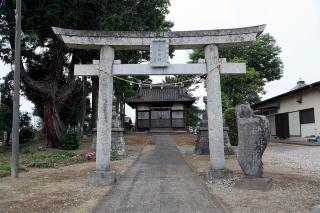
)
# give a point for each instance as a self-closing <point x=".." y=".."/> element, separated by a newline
<point x="16" y="97"/>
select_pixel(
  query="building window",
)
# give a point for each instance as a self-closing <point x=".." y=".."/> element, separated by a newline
<point x="143" y="115"/>
<point x="307" y="116"/>
<point x="177" y="114"/>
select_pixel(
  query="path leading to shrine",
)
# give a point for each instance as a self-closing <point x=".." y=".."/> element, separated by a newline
<point x="160" y="181"/>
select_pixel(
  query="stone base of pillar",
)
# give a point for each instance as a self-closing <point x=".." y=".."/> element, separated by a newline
<point x="101" y="178"/>
<point x="254" y="183"/>
<point x="218" y="174"/>
<point x="117" y="141"/>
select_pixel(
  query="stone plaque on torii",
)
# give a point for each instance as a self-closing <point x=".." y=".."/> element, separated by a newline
<point x="158" y="43"/>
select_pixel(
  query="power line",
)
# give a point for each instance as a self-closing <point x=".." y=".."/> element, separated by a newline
<point x="140" y="83"/>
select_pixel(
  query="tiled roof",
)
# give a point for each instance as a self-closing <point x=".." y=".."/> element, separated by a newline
<point x="315" y="86"/>
<point x="158" y="94"/>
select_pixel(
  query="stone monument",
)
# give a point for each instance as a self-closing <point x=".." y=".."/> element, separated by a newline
<point x="254" y="136"/>
<point x="94" y="140"/>
<point x="117" y="139"/>
<point x="202" y="143"/>
<point x="227" y="145"/>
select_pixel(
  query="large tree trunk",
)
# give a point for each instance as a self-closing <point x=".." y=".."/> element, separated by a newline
<point x="54" y="97"/>
<point x="122" y="112"/>
<point x="53" y="124"/>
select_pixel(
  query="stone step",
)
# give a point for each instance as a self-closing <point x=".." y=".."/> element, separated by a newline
<point x="161" y="130"/>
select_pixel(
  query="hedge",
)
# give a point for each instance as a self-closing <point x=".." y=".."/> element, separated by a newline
<point x="231" y="122"/>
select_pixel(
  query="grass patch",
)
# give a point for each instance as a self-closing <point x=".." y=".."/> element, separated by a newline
<point x="5" y="169"/>
<point x="44" y="159"/>
<point x="52" y="158"/>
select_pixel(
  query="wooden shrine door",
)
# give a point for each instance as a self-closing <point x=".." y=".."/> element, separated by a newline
<point x="160" y="118"/>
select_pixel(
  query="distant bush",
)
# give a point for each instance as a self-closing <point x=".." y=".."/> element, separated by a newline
<point x="5" y="169"/>
<point x="26" y="134"/>
<point x="39" y="135"/>
<point x="70" y="139"/>
<point x="231" y="122"/>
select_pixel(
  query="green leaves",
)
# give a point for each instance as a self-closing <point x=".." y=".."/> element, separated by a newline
<point x="262" y="55"/>
<point x="5" y="117"/>
<point x="231" y="122"/>
<point x="263" y="65"/>
<point x="242" y="89"/>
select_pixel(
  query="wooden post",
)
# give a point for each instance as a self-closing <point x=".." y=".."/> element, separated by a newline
<point x="16" y="97"/>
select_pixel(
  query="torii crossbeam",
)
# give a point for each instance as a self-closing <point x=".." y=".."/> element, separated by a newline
<point x="158" y="43"/>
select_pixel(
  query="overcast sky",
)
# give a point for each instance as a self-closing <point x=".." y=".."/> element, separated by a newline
<point x="295" y="24"/>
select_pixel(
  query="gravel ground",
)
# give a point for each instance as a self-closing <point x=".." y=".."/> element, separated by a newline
<point x="302" y="159"/>
<point x="295" y="171"/>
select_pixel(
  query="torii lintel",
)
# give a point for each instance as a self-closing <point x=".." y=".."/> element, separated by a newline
<point x="139" y="40"/>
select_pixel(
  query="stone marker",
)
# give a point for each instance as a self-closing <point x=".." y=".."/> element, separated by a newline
<point x="94" y="140"/>
<point x="254" y="136"/>
<point x="227" y="146"/>
<point x="117" y="139"/>
<point x="202" y="143"/>
<point x="315" y="209"/>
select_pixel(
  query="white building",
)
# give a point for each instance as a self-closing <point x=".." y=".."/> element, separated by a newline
<point x="294" y="114"/>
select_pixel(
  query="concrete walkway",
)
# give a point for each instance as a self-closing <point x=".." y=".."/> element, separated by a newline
<point x="160" y="181"/>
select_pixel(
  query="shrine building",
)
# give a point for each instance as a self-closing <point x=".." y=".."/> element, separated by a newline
<point x="161" y="108"/>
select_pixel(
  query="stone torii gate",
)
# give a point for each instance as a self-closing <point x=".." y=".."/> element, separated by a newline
<point x="159" y="43"/>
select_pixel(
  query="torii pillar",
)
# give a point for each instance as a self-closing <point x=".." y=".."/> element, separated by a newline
<point x="158" y="43"/>
<point x="216" y="167"/>
<point x="103" y="175"/>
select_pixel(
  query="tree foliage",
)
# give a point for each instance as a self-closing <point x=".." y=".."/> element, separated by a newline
<point x="4" y="118"/>
<point x="263" y="65"/>
<point x="6" y="111"/>
<point x="243" y="88"/>
<point x="47" y="71"/>
<point x="231" y="122"/>
<point x="193" y="114"/>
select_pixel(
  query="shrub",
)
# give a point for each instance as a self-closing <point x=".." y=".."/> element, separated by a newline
<point x="114" y="156"/>
<point x="90" y="156"/>
<point x="24" y="148"/>
<point x="70" y="139"/>
<point x="40" y="136"/>
<point x="231" y="122"/>
<point x="26" y="134"/>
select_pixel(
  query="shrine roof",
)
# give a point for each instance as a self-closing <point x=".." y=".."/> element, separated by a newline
<point x="160" y="94"/>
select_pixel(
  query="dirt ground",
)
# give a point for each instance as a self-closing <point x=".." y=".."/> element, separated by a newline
<point x="63" y="189"/>
<point x="184" y="138"/>
<point x="294" y="169"/>
<point x="295" y="188"/>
